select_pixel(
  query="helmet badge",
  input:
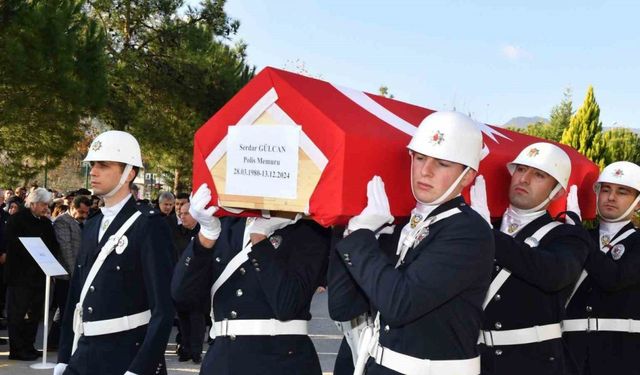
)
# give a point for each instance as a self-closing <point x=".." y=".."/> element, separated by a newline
<point x="96" y="146"/>
<point x="437" y="137"/>
<point x="618" y="173"/>
<point x="533" y="152"/>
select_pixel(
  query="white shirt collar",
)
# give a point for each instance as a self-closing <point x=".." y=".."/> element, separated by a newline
<point x="113" y="210"/>
<point x="612" y="228"/>
<point x="514" y="220"/>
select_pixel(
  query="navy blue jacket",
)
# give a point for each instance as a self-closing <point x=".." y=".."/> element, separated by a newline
<point x="541" y="280"/>
<point x="277" y="282"/>
<point x="611" y="290"/>
<point x="139" y="279"/>
<point x="431" y="305"/>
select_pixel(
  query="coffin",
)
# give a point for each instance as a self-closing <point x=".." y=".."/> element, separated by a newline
<point x="342" y="138"/>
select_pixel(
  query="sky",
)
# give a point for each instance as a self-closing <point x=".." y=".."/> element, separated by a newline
<point x="492" y="59"/>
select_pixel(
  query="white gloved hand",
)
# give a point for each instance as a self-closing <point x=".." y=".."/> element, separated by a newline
<point x="130" y="373"/>
<point x="209" y="224"/>
<point x="572" y="203"/>
<point x="478" y="195"/>
<point x="59" y="368"/>
<point x="266" y="226"/>
<point x="377" y="213"/>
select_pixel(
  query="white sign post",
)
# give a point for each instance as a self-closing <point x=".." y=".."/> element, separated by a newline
<point x="262" y="161"/>
<point x="50" y="266"/>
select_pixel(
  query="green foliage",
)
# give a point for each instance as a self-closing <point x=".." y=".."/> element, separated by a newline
<point x="51" y="77"/>
<point x="585" y="130"/>
<point x="168" y="73"/>
<point x="621" y="144"/>
<point x="559" y="121"/>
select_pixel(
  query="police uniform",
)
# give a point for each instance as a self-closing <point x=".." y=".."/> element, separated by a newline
<point x="532" y="299"/>
<point x="132" y="281"/>
<point x="348" y="304"/>
<point x="430" y="306"/>
<point x="275" y="285"/>
<point x="602" y="328"/>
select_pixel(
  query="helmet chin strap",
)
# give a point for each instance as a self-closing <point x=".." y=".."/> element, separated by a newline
<point x="123" y="179"/>
<point x="619" y="218"/>
<point x="544" y="203"/>
<point x="444" y="196"/>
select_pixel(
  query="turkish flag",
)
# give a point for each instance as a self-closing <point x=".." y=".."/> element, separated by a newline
<point x="351" y="136"/>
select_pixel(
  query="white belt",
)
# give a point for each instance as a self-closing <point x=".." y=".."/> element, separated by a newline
<point x="408" y="365"/>
<point x="125" y="323"/>
<point x="259" y="327"/>
<point x="601" y="324"/>
<point x="358" y="322"/>
<point x="521" y="336"/>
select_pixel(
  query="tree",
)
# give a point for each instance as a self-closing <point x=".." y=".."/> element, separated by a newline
<point x="559" y="121"/>
<point x="621" y="144"/>
<point x="384" y="91"/>
<point x="169" y="72"/>
<point x="52" y="77"/>
<point x="585" y="130"/>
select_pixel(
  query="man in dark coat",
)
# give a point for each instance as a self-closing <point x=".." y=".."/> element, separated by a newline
<point x="602" y="328"/>
<point x="426" y="281"/>
<point x="261" y="310"/>
<point x="24" y="277"/>
<point x="537" y="261"/>
<point x="119" y="311"/>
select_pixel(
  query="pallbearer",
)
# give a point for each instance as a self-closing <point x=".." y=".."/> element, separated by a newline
<point x="427" y="283"/>
<point x="537" y="261"/>
<point x="603" y="316"/>
<point x="262" y="273"/>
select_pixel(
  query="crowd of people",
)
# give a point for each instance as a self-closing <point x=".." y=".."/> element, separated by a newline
<point x="58" y="218"/>
<point x="449" y="290"/>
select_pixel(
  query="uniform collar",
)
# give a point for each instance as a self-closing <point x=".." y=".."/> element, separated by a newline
<point x="515" y="219"/>
<point x="613" y="228"/>
<point x="113" y="210"/>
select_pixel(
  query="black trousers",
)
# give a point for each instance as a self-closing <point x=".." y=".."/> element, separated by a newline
<point x="192" y="331"/>
<point x="22" y="332"/>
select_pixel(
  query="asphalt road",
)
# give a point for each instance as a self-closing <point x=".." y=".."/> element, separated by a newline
<point x="323" y="332"/>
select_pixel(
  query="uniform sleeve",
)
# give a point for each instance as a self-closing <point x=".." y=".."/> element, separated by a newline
<point x="452" y="263"/>
<point x="157" y="267"/>
<point x="66" y="330"/>
<point x="552" y="266"/>
<point x="613" y="275"/>
<point x="289" y="282"/>
<point x="193" y="276"/>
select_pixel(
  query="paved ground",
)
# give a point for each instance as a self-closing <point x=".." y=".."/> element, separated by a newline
<point x="323" y="332"/>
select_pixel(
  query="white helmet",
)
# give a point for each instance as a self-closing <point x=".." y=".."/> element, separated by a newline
<point x="621" y="173"/>
<point x="546" y="157"/>
<point x="449" y="136"/>
<point x="115" y="145"/>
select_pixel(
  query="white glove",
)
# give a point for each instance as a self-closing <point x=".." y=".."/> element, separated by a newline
<point x="377" y="213"/>
<point x="209" y="224"/>
<point x="130" y="373"/>
<point x="266" y="227"/>
<point x="572" y="203"/>
<point x="59" y="369"/>
<point x="478" y="195"/>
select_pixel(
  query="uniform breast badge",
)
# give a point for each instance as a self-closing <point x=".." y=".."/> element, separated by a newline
<point x="276" y="241"/>
<point x="122" y="244"/>
<point x="605" y="239"/>
<point x="617" y="251"/>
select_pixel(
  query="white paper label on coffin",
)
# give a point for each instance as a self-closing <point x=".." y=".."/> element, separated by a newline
<point x="262" y="161"/>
